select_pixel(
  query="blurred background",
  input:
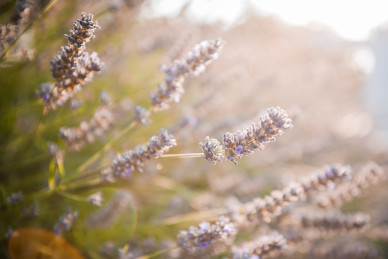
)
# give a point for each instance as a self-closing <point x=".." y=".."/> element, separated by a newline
<point x="361" y="23"/>
<point x="323" y="62"/>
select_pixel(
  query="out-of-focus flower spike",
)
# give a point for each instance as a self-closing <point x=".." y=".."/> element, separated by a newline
<point x="193" y="63"/>
<point x="262" y="247"/>
<point x="133" y="160"/>
<point x="197" y="240"/>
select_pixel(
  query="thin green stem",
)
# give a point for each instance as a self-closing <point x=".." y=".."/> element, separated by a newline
<point x="95" y="172"/>
<point x="37" y="195"/>
<point x="71" y="196"/>
<point x="61" y="168"/>
<point x="157" y="253"/>
<point x="182" y="155"/>
<point x="51" y="178"/>
<point x="87" y="174"/>
<point x="105" y="148"/>
<point x="93" y="183"/>
<point x="108" y="145"/>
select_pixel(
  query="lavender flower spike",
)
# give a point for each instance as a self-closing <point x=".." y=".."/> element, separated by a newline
<point x="262" y="209"/>
<point x="88" y="131"/>
<point x="15" y="198"/>
<point x="142" y="115"/>
<point x="262" y="247"/>
<point x="247" y="141"/>
<point x="335" y="222"/>
<point x="124" y="164"/>
<point x="72" y="67"/>
<point x="193" y="63"/>
<point x="65" y="222"/>
<point x="370" y="174"/>
<point x="212" y="150"/>
<point x="197" y="239"/>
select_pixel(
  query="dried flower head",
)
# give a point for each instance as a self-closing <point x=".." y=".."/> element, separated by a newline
<point x="106" y="175"/>
<point x="124" y="164"/>
<point x="261" y="247"/>
<point x="21" y="16"/>
<point x="72" y="67"/>
<point x="193" y="63"/>
<point x="87" y="132"/>
<point x="198" y="239"/>
<point x="212" y="150"/>
<point x="15" y="198"/>
<point x="142" y="115"/>
<point x="271" y="205"/>
<point x="65" y="222"/>
<point x="336" y="222"/>
<point x="105" y="98"/>
<point x="254" y="137"/>
<point x="370" y="174"/>
<point x="9" y="233"/>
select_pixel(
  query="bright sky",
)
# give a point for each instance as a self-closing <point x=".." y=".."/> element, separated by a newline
<point x="351" y="19"/>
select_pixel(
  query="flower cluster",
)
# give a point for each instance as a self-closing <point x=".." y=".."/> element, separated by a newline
<point x="197" y="239"/>
<point x="335" y="222"/>
<point x="72" y="67"/>
<point x="65" y="222"/>
<point x="254" y="137"/>
<point x="193" y="63"/>
<point x="261" y="247"/>
<point x="212" y="150"/>
<point x="271" y="205"/>
<point x="369" y="174"/>
<point x="245" y="142"/>
<point x="124" y="164"/>
<point x="15" y="198"/>
<point x="9" y="32"/>
<point x="87" y="132"/>
<point x="142" y="115"/>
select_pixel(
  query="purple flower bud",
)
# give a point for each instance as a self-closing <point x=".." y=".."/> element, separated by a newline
<point x="328" y="174"/>
<point x="94" y="55"/>
<point x="239" y="149"/>
<point x="46" y="97"/>
<point x="226" y="229"/>
<point x="203" y="244"/>
<point x="127" y="173"/>
<point x="85" y="60"/>
<point x="204" y="226"/>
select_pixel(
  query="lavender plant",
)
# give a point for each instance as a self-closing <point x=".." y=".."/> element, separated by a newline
<point x="178" y="206"/>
